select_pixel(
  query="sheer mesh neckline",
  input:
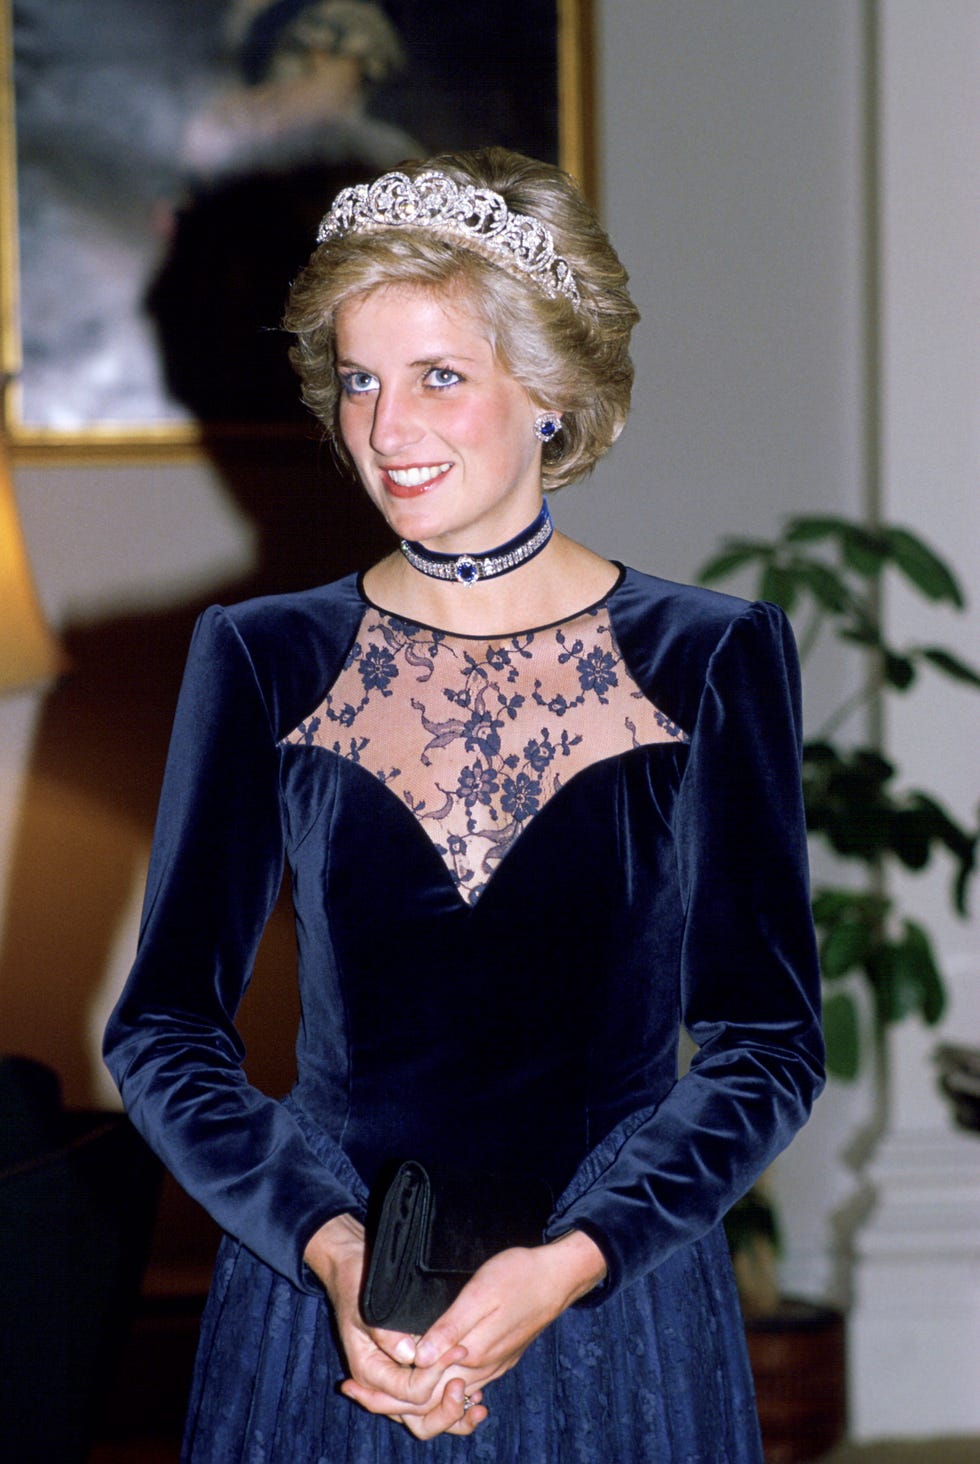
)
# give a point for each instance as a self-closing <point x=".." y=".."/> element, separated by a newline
<point x="495" y="635"/>
<point x="476" y="734"/>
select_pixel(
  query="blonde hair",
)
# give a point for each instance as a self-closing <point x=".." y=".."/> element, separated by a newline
<point x="573" y="359"/>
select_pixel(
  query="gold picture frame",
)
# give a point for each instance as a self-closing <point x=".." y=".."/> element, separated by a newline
<point x="81" y="367"/>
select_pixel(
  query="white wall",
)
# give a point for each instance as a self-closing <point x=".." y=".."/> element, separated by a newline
<point x="732" y="181"/>
<point x="930" y="392"/>
<point x="915" y="1325"/>
<point x="731" y="173"/>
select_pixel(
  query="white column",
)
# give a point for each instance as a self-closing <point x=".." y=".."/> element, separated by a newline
<point x="915" y="1324"/>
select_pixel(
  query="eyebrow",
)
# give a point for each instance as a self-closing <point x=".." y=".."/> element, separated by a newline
<point x="423" y="361"/>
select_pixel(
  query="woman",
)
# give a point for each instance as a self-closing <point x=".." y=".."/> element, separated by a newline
<point x="538" y="810"/>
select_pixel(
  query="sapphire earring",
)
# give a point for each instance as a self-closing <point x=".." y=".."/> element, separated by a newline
<point x="547" y="425"/>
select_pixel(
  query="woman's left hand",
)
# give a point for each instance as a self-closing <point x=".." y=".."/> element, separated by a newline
<point x="428" y="1401"/>
<point x="503" y="1307"/>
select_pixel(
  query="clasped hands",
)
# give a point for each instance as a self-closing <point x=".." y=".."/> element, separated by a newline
<point x="434" y="1384"/>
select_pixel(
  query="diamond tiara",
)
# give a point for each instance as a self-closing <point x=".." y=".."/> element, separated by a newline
<point x="477" y="217"/>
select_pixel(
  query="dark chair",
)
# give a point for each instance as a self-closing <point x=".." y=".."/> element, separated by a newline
<point x="78" y="1193"/>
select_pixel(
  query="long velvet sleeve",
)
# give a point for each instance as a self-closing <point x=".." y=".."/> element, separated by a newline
<point x="171" y="1045"/>
<point x="749" y="983"/>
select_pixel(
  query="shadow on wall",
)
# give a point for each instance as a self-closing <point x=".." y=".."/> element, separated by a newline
<point x="91" y="787"/>
<point x="94" y="775"/>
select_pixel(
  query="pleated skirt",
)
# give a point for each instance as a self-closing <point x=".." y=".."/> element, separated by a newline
<point x="658" y="1374"/>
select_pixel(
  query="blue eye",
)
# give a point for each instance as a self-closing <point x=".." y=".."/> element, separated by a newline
<point x="441" y="376"/>
<point x="356" y="383"/>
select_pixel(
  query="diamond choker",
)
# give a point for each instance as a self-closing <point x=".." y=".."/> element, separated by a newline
<point x="468" y="568"/>
<point x="478" y="218"/>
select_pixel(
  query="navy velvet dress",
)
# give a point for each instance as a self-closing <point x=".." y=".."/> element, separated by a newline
<point x="519" y="864"/>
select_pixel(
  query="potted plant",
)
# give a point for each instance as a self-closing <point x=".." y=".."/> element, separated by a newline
<point x="826" y="572"/>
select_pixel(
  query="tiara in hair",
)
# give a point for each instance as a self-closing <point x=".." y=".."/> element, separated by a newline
<point x="477" y="217"/>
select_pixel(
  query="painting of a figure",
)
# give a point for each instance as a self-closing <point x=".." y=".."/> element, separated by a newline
<point x="173" y="158"/>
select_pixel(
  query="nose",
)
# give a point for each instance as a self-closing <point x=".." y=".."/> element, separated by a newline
<point x="396" y="423"/>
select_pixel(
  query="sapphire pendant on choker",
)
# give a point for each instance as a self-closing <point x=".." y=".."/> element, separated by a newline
<point x="467" y="569"/>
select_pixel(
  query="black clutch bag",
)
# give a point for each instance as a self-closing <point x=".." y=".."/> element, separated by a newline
<point x="433" y="1226"/>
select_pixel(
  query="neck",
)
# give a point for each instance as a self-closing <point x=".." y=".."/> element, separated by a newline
<point x="470" y="568"/>
<point x="563" y="578"/>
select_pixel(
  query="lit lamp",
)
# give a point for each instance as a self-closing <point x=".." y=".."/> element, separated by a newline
<point x="29" y="653"/>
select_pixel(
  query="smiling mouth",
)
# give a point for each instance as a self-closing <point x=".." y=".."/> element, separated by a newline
<point x="415" y="479"/>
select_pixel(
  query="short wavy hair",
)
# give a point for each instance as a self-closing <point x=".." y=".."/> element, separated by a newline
<point x="570" y="359"/>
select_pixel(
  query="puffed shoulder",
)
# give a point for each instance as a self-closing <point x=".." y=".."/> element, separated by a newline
<point x="669" y="634"/>
<point x="295" y="643"/>
<point x="749" y="982"/>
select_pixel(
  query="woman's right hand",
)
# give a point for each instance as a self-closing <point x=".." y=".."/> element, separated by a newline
<point x="428" y="1401"/>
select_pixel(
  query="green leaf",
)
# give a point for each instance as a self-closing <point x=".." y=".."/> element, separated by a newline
<point x="941" y="826"/>
<point x="911" y="834"/>
<point x="778" y="584"/>
<point x="918" y="823"/>
<point x="826" y="586"/>
<point x="898" y="670"/>
<point x="831" y="905"/>
<point x="922" y="566"/>
<point x="861" y="635"/>
<point x="842" y="1035"/>
<point x="820" y="751"/>
<point x="961" y="879"/>
<point x="806" y="528"/>
<point x="916" y="970"/>
<point x="864" y="551"/>
<point x="893" y="1000"/>
<point x="933" y="999"/>
<point x="869" y="762"/>
<point x="736" y="554"/>
<point x="844" y="946"/>
<point x="905" y="977"/>
<point x="952" y="665"/>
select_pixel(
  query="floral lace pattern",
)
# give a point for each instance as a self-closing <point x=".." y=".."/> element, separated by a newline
<point x="475" y="735"/>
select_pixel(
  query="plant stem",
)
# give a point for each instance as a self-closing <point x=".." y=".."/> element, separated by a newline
<point x="808" y="638"/>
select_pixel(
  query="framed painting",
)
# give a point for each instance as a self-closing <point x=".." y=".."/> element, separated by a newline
<point x="163" y="166"/>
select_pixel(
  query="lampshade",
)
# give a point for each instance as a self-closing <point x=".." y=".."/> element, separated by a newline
<point x="29" y="653"/>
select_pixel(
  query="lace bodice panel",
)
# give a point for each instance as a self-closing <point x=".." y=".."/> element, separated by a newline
<point x="475" y="735"/>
